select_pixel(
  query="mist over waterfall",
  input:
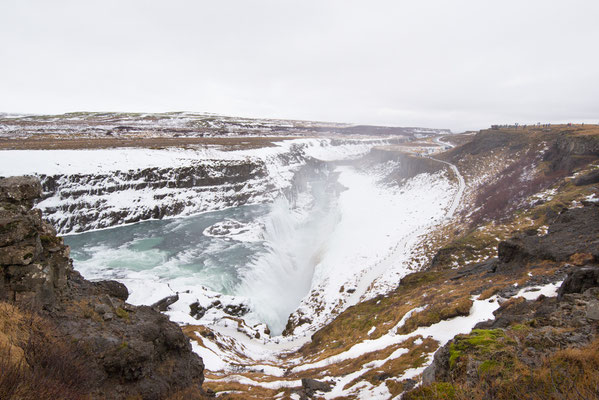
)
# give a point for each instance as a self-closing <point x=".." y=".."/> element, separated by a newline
<point x="295" y="238"/>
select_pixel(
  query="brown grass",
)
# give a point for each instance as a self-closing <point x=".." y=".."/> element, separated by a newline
<point x="45" y="367"/>
<point x="567" y="374"/>
<point x="436" y="313"/>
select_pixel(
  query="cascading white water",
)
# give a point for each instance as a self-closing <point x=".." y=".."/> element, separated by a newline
<point x="277" y="280"/>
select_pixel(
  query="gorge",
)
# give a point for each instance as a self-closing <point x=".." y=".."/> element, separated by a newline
<point x="322" y="265"/>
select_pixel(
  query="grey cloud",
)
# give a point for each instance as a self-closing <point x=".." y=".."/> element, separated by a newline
<point x="459" y="64"/>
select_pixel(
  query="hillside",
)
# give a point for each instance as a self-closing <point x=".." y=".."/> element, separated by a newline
<point x="63" y="337"/>
<point x="498" y="294"/>
<point x="504" y="262"/>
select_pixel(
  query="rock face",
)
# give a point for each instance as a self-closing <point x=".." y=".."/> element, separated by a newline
<point x="550" y="324"/>
<point x="579" y="280"/>
<point x="588" y="178"/>
<point x="574" y="231"/>
<point x="34" y="262"/>
<point x="408" y="165"/>
<point x="129" y="351"/>
<point x="570" y="151"/>
<point x="79" y="202"/>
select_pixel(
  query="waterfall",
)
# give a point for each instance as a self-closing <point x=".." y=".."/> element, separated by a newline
<point x="277" y="280"/>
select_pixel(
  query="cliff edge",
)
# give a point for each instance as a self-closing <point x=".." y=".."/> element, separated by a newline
<point x="62" y="336"/>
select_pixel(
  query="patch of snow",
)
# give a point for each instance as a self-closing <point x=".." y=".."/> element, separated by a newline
<point x="534" y="292"/>
<point x="592" y="198"/>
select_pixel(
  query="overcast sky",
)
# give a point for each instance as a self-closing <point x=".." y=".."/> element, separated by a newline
<point x="455" y="64"/>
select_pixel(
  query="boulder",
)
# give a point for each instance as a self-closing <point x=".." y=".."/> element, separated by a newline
<point x="163" y="305"/>
<point x="128" y="351"/>
<point x="113" y="288"/>
<point x="311" y="386"/>
<point x="579" y="280"/>
<point x="20" y="189"/>
<point x="588" y="178"/>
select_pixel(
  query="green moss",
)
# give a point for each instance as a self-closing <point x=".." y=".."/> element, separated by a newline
<point x="437" y="390"/>
<point x="488" y="367"/>
<point x="479" y="341"/>
<point x="419" y="278"/>
<point x="520" y="327"/>
<point x="122" y="313"/>
<point x="484" y="337"/>
<point x="49" y="239"/>
<point x="454" y="354"/>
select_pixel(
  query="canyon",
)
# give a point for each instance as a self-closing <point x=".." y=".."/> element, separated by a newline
<point x="345" y="262"/>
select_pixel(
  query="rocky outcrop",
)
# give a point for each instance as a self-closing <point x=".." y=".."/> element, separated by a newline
<point x="579" y="280"/>
<point x="33" y="261"/>
<point x="570" y="151"/>
<point x="128" y="351"/>
<point x="587" y="179"/>
<point x="80" y="202"/>
<point x="311" y="387"/>
<point x="548" y="325"/>
<point x="574" y="231"/>
<point x="525" y="332"/>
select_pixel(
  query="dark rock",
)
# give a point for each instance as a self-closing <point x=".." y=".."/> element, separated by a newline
<point x="593" y="310"/>
<point x="102" y="309"/>
<point x="588" y="178"/>
<point x="409" y="384"/>
<point x="311" y="386"/>
<point x="513" y="251"/>
<point x="489" y="266"/>
<point x="113" y="288"/>
<point x="236" y="310"/>
<point x="439" y="368"/>
<point x="20" y="189"/>
<point x="573" y="232"/>
<point x="128" y="351"/>
<point x="579" y="280"/>
<point x="164" y="304"/>
<point x="196" y="310"/>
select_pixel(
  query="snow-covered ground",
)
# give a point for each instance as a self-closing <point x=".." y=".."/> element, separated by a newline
<point x="367" y="252"/>
<point x="94" y="189"/>
<point x="441" y="332"/>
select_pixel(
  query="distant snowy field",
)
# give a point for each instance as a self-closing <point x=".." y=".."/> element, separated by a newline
<point x="62" y="162"/>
